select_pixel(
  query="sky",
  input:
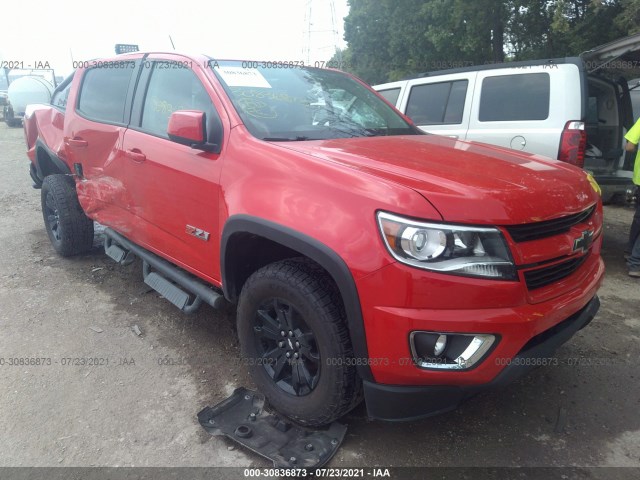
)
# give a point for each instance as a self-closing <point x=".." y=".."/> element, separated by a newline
<point x="59" y="32"/>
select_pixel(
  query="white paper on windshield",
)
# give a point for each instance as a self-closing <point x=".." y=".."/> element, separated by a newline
<point x="242" y="77"/>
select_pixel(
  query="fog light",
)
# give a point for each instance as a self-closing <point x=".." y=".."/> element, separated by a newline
<point x="449" y="351"/>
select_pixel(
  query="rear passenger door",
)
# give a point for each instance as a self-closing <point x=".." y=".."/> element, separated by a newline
<point x="93" y="134"/>
<point x="174" y="188"/>
<point x="441" y="104"/>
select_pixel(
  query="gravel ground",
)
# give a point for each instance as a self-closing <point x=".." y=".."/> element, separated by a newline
<point x="135" y="410"/>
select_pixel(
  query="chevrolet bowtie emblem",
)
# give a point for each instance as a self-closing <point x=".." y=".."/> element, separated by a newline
<point x="583" y="242"/>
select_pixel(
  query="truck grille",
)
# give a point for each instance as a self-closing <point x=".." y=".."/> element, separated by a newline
<point x="548" y="228"/>
<point x="548" y="275"/>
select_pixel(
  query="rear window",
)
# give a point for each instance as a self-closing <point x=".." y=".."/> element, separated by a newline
<point x="437" y="103"/>
<point x="515" y="97"/>
<point x="104" y="93"/>
<point x="391" y="95"/>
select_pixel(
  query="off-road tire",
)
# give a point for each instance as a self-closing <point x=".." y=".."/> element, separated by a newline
<point x="315" y="303"/>
<point x="70" y="230"/>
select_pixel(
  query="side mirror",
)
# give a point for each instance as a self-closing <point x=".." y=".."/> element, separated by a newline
<point x="187" y="127"/>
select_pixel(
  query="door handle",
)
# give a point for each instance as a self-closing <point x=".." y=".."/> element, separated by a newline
<point x="135" y="154"/>
<point x="76" y="142"/>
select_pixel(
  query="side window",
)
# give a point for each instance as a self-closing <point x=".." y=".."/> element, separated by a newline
<point x="515" y="97"/>
<point x="391" y="95"/>
<point x="61" y="96"/>
<point x="59" y="99"/>
<point x="437" y="103"/>
<point x="172" y="88"/>
<point x="104" y="92"/>
<point x="455" y="105"/>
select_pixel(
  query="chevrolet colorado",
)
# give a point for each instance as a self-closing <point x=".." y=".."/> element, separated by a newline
<point x="367" y="259"/>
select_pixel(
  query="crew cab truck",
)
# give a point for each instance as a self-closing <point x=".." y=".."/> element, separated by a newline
<point x="366" y="258"/>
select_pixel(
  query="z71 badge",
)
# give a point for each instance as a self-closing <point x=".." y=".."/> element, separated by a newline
<point x="197" y="232"/>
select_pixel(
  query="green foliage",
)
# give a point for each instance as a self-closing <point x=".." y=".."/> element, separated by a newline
<point x="629" y="19"/>
<point x="392" y="39"/>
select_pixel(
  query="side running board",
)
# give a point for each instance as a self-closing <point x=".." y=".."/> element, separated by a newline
<point x="118" y="254"/>
<point x="183" y="290"/>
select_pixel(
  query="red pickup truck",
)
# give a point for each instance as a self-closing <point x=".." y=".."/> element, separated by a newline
<point x="367" y="259"/>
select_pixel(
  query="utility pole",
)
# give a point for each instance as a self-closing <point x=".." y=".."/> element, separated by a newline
<point x="315" y="27"/>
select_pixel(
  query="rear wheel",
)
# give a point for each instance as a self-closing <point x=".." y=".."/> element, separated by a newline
<point x="70" y="230"/>
<point x="294" y="339"/>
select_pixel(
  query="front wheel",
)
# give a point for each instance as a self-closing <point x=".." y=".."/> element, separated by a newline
<point x="69" y="229"/>
<point x="295" y="341"/>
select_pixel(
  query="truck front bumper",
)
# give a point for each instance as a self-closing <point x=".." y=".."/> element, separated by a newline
<point x="401" y="402"/>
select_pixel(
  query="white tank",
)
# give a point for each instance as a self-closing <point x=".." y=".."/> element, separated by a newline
<point x="25" y="90"/>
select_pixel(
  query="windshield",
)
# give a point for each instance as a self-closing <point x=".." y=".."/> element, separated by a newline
<point x="289" y="104"/>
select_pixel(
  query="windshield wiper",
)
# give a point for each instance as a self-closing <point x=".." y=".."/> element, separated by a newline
<point x="353" y="130"/>
<point x="285" y="139"/>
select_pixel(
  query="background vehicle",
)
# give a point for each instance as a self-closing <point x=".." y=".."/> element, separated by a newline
<point x="573" y="109"/>
<point x="634" y="92"/>
<point x="347" y="237"/>
<point x="4" y="86"/>
<point x="26" y="87"/>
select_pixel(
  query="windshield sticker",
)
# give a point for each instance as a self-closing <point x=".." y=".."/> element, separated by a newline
<point x="242" y="77"/>
<point x="272" y="95"/>
<point x="256" y="108"/>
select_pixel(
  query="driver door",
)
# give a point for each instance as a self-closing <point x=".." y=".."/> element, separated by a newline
<point x="174" y="188"/>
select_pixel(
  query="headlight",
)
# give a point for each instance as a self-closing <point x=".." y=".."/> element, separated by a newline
<point x="454" y="249"/>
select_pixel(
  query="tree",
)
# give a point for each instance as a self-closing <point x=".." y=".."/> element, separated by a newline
<point x="580" y="25"/>
<point x="528" y="32"/>
<point x="388" y="40"/>
<point x="367" y="31"/>
<point x="628" y="20"/>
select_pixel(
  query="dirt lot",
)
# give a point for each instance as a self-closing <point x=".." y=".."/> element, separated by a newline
<point x="134" y="410"/>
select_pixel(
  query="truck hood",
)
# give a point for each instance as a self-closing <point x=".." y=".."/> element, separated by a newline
<point x="466" y="182"/>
